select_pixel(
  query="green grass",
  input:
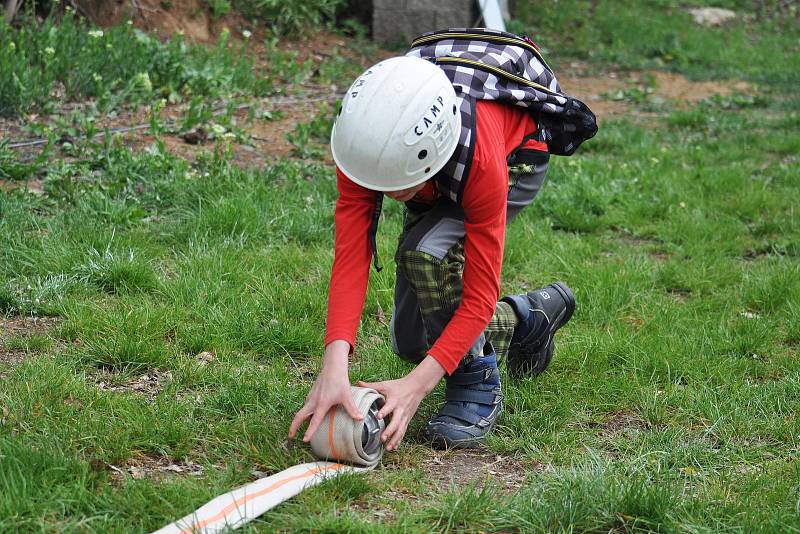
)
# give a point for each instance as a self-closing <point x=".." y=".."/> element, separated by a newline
<point x="45" y="64"/>
<point x="287" y="17"/>
<point x="660" y="34"/>
<point x="671" y="405"/>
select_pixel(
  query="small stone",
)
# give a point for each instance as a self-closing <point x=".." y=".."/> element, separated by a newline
<point x="205" y="357"/>
<point x="136" y="472"/>
<point x="711" y="16"/>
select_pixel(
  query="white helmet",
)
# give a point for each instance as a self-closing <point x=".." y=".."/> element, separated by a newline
<point x="398" y="126"/>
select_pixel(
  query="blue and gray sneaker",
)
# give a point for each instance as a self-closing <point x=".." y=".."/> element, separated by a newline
<point x="473" y="403"/>
<point x="541" y="312"/>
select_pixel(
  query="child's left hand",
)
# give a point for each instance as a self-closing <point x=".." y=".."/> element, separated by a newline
<point x="403" y="397"/>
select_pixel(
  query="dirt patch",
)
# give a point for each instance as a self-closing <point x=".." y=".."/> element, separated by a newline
<point x="679" y="294"/>
<point x="189" y="17"/>
<point x="204" y="358"/>
<point x="269" y="137"/>
<point x="380" y="513"/>
<point x="679" y="88"/>
<point x="636" y="241"/>
<point x="753" y="254"/>
<point x="22" y="327"/>
<point x="261" y="141"/>
<point x="711" y="16"/>
<point x="591" y="89"/>
<point x="33" y="186"/>
<point x="149" y="467"/>
<point x="623" y="422"/>
<point x="464" y="467"/>
<point x="264" y="141"/>
<point x="148" y="384"/>
<point x="674" y="89"/>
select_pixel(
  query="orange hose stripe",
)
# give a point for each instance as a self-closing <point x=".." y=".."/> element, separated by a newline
<point x="237" y="504"/>
<point x="334" y="454"/>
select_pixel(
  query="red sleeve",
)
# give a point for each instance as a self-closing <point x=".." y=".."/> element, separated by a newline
<point x="350" y="274"/>
<point x="484" y="203"/>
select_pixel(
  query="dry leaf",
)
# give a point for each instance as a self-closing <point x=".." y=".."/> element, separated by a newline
<point x="380" y="315"/>
<point x="72" y="401"/>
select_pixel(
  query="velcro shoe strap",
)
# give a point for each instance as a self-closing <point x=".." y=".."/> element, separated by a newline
<point x="457" y="412"/>
<point x="467" y="378"/>
<point x="473" y="395"/>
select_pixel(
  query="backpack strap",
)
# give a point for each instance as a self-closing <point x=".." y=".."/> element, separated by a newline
<point x="373" y="231"/>
<point x="491" y="69"/>
<point x="482" y="35"/>
<point x="528" y="156"/>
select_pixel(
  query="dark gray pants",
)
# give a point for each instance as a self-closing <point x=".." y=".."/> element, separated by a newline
<point x="430" y="263"/>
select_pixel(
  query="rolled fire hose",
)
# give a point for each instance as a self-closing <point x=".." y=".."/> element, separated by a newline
<point x="339" y="438"/>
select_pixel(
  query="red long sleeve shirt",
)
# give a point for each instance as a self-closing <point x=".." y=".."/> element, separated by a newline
<point x="499" y="130"/>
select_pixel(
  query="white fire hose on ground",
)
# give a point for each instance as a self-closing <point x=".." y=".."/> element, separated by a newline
<point x="339" y="437"/>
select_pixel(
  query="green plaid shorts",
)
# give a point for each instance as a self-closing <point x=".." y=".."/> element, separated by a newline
<point x="430" y="265"/>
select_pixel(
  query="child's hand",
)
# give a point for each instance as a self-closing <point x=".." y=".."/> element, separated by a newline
<point x="403" y="397"/>
<point x="331" y="389"/>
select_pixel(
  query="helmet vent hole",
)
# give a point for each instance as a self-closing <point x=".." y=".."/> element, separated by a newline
<point x="454" y="109"/>
<point x="422" y="154"/>
<point x="427" y="170"/>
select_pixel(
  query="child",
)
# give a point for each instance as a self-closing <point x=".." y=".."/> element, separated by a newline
<point x="439" y="136"/>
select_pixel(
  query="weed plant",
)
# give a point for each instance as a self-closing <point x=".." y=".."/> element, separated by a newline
<point x="280" y="17"/>
<point x="46" y="64"/>
<point x="285" y="18"/>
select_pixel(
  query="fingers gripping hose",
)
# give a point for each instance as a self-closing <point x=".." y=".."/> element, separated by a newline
<point x="339" y="438"/>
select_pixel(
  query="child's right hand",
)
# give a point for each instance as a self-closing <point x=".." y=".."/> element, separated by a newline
<point x="331" y="389"/>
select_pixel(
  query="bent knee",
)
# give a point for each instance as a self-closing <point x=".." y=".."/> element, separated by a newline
<point x="409" y="345"/>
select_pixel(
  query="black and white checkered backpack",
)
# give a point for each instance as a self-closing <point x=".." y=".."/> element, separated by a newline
<point x="488" y="64"/>
<point x="485" y="64"/>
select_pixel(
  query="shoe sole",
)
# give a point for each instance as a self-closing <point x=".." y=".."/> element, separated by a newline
<point x="542" y="358"/>
<point x="444" y="443"/>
